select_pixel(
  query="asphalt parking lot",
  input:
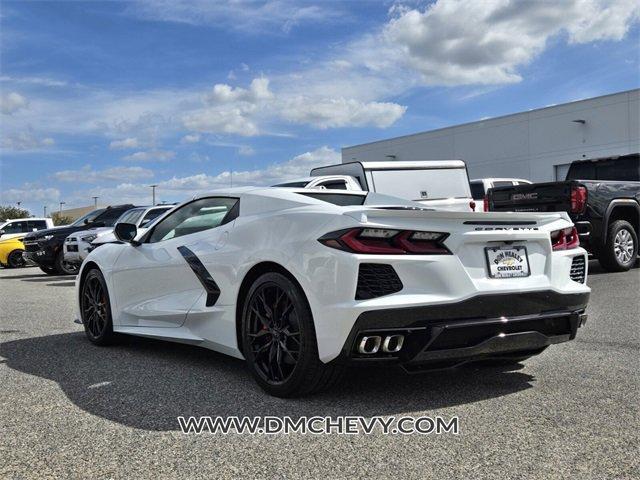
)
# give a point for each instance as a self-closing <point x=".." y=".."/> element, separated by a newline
<point x="70" y="409"/>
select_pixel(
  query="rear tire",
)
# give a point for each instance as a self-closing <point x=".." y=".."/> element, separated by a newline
<point x="95" y="308"/>
<point x="65" y="268"/>
<point x="15" y="260"/>
<point x="621" y="247"/>
<point x="279" y="340"/>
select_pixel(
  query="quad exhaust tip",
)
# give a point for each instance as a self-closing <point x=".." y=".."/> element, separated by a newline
<point x="372" y="344"/>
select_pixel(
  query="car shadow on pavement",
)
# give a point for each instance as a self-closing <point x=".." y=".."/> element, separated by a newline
<point x="596" y="269"/>
<point x="147" y="384"/>
<point x="62" y="284"/>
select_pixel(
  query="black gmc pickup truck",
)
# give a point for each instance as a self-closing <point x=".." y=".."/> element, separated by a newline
<point x="602" y="197"/>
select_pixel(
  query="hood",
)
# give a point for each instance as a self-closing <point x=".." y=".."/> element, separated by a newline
<point x="57" y="231"/>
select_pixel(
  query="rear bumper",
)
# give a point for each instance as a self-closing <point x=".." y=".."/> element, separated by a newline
<point x="485" y="326"/>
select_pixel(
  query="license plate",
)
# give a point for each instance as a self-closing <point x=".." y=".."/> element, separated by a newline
<point x="507" y="262"/>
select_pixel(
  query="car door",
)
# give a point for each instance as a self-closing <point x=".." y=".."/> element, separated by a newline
<point x="15" y="229"/>
<point x="156" y="283"/>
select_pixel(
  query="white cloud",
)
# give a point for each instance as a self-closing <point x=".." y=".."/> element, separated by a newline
<point x="241" y="111"/>
<point x="180" y="188"/>
<point x="88" y="175"/>
<point x="340" y="112"/>
<point x="192" y="138"/>
<point x="150" y="155"/>
<point x="11" y="102"/>
<point x="298" y="166"/>
<point x="29" y="193"/>
<point x="43" y="81"/>
<point x="125" y="143"/>
<point x="25" y="141"/>
<point x="258" y="90"/>
<point x="250" y="16"/>
<point x="460" y="42"/>
<point x="246" y="150"/>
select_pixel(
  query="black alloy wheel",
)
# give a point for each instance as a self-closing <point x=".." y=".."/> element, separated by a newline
<point x="65" y="268"/>
<point x="274" y="333"/>
<point x="15" y="259"/>
<point x="279" y="341"/>
<point x="96" y="309"/>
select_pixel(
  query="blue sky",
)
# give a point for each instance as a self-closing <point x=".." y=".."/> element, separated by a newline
<point x="106" y="98"/>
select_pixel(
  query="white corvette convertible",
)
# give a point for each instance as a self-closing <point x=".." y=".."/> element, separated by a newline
<point x="302" y="283"/>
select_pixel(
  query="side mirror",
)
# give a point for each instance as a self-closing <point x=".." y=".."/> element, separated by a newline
<point x="126" y="232"/>
<point x="1" y="232"/>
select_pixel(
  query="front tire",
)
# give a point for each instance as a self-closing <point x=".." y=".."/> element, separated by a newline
<point x="279" y="340"/>
<point x="15" y="259"/>
<point x="48" y="269"/>
<point x="65" y="268"/>
<point x="621" y="247"/>
<point x="95" y="308"/>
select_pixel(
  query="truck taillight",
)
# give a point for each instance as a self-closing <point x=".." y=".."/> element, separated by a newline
<point x="578" y="199"/>
<point x="565" y="239"/>
<point x="384" y="241"/>
<point x="485" y="203"/>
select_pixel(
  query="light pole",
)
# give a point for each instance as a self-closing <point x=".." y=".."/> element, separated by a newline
<point x="153" y="193"/>
<point x="61" y="204"/>
<point x="45" y="211"/>
<point x="95" y="202"/>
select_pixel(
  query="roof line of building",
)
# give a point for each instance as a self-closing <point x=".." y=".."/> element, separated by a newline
<point x="499" y="117"/>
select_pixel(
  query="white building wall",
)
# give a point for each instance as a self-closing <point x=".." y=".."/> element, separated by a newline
<point x="537" y="145"/>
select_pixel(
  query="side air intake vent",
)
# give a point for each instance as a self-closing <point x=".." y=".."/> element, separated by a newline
<point x="376" y="280"/>
<point x="578" y="269"/>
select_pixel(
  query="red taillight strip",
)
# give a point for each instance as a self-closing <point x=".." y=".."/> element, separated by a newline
<point x="372" y="245"/>
<point x="401" y="243"/>
<point x="578" y="199"/>
<point x="565" y="239"/>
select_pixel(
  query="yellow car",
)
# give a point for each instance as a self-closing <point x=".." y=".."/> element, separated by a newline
<point x="11" y="253"/>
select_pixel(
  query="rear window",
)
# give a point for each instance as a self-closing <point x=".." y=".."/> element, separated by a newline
<point x="503" y="183"/>
<point x="293" y="184"/>
<point x="477" y="190"/>
<point x="427" y="184"/>
<point x="623" y="169"/>
<point x="340" y="199"/>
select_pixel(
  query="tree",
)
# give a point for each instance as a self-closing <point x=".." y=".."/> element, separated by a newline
<point x="60" y="219"/>
<point x="8" y="212"/>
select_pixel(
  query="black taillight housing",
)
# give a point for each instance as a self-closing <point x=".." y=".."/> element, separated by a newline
<point x="386" y="241"/>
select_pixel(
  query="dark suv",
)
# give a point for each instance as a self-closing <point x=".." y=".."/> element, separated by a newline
<point x="44" y="247"/>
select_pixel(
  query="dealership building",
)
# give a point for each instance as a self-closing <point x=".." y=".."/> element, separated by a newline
<point x="538" y="145"/>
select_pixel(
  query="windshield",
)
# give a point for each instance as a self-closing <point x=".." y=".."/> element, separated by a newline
<point x="89" y="217"/>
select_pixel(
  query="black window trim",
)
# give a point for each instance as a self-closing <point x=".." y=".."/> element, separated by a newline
<point x="149" y="232"/>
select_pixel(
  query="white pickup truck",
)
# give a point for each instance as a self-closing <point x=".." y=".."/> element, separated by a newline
<point x="19" y="227"/>
<point x="441" y="184"/>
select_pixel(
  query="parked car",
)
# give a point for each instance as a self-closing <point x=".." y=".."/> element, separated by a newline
<point x="44" y="247"/>
<point x="11" y="253"/>
<point x="480" y="187"/>
<point x="441" y="184"/>
<point x="19" y="227"/>
<point x="77" y="246"/>
<point x="601" y="196"/>
<point x="301" y="283"/>
<point x="328" y="182"/>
